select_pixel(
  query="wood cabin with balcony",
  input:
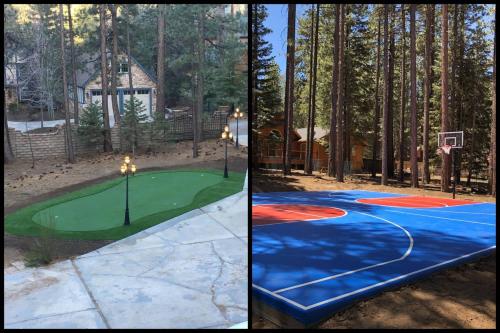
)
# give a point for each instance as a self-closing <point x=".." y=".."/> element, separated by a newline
<point x="270" y="148"/>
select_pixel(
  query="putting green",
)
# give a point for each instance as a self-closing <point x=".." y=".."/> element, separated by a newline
<point x="97" y="212"/>
<point x="148" y="194"/>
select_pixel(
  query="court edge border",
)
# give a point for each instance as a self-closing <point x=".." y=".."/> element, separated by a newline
<point x="303" y="307"/>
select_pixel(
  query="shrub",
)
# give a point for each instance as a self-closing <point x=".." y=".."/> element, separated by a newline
<point x="91" y="127"/>
<point x="135" y="112"/>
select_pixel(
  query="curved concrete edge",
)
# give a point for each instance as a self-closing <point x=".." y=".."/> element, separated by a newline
<point x="243" y="325"/>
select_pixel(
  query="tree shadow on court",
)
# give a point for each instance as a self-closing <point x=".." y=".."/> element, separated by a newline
<point x="307" y="251"/>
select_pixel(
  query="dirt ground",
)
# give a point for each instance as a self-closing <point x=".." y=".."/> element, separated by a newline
<point x="51" y="177"/>
<point x="461" y="297"/>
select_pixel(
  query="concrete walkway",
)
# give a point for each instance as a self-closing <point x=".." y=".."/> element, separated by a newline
<point x="188" y="272"/>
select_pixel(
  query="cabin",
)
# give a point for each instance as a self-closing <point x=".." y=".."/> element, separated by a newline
<point x="270" y="145"/>
<point x="89" y="84"/>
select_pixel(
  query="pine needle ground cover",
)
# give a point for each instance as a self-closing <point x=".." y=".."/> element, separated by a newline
<point x="97" y="212"/>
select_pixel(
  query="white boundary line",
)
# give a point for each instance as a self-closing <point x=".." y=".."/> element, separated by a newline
<point x="303" y="307"/>
<point x="406" y="254"/>
<point x="436" y="217"/>
<point x="296" y="221"/>
<point x="375" y="204"/>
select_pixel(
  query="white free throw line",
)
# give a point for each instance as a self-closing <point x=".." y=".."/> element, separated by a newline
<point x="406" y="203"/>
<point x="406" y="254"/>
<point x="437" y="217"/>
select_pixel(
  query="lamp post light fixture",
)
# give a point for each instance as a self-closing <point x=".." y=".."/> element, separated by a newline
<point x="238" y="114"/>
<point x="125" y="169"/>
<point x="226" y="135"/>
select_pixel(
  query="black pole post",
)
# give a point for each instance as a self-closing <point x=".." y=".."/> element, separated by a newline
<point x="453" y="170"/>
<point x="238" y="117"/>
<point x="225" y="158"/>
<point x="127" y="218"/>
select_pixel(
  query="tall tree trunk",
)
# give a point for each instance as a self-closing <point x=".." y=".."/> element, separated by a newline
<point x="340" y="100"/>
<point x="333" y="114"/>
<point x="114" y="66"/>
<point x="445" y="165"/>
<point x="67" y="131"/>
<point x="413" y="91"/>
<point x="8" y="155"/>
<point x="390" y="129"/>
<point x="201" y="71"/>
<point x="403" y="96"/>
<point x="129" y="59"/>
<point x="429" y="21"/>
<point x="310" y="141"/>
<point x="472" y="144"/>
<point x="493" y="146"/>
<point x="160" y="91"/>
<point x="290" y="77"/>
<point x="255" y="142"/>
<point x="347" y="92"/>
<point x="385" y="115"/>
<point x="459" y="120"/>
<point x="73" y="67"/>
<point x="377" y="105"/>
<point x="108" y="146"/>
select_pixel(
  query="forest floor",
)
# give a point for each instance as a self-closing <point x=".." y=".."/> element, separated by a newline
<point x="461" y="297"/>
<point x="24" y="185"/>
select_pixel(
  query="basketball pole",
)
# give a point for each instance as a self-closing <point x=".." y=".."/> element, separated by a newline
<point x="453" y="170"/>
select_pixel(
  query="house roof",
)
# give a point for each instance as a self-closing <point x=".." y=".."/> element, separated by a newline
<point x="318" y="133"/>
<point x="92" y="67"/>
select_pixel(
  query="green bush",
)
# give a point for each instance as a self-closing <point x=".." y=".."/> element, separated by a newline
<point x="135" y="112"/>
<point x="42" y="252"/>
<point x="91" y="127"/>
<point x="12" y="107"/>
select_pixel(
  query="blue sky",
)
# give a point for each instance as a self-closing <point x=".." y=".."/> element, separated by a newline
<point x="277" y="22"/>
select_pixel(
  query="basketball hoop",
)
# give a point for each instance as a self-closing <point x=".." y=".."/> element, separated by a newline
<point x="446" y="149"/>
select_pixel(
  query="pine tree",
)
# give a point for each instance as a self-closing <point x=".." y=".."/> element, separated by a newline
<point x="289" y="90"/>
<point x="67" y="131"/>
<point x="340" y="99"/>
<point x="403" y="94"/>
<point x="91" y="128"/>
<point x="131" y="130"/>
<point x="413" y="98"/>
<point x="445" y="166"/>
<point x="108" y="146"/>
<point x="429" y="22"/>
<point x="385" y="115"/>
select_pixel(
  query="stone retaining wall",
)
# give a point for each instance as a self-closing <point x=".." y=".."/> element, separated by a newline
<point x="53" y="144"/>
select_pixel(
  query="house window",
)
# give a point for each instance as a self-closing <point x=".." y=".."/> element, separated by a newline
<point x="142" y="91"/>
<point x="96" y="93"/>
<point x="123" y="68"/>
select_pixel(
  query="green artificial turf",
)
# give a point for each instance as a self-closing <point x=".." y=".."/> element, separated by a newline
<point x="97" y="212"/>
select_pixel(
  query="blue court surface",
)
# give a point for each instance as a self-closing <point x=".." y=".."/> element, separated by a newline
<point x="309" y="262"/>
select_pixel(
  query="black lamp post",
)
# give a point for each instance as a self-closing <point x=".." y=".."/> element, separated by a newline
<point x="238" y="114"/>
<point x="125" y="169"/>
<point x="226" y="135"/>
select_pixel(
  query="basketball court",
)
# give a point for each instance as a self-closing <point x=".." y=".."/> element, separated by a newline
<point x="315" y="253"/>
